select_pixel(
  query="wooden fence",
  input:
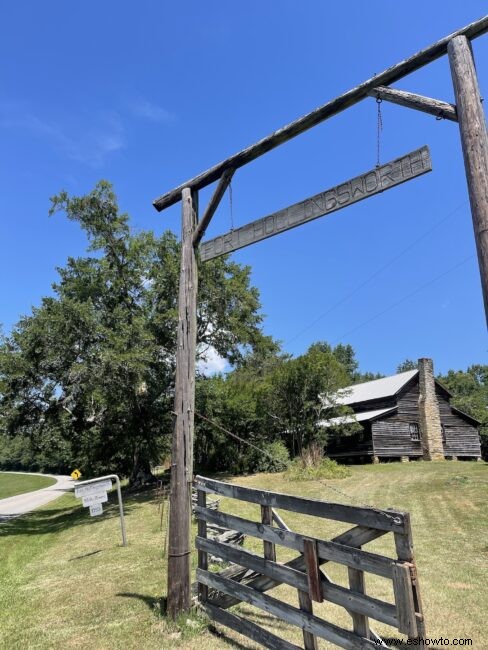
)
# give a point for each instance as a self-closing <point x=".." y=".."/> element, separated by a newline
<point x="251" y="575"/>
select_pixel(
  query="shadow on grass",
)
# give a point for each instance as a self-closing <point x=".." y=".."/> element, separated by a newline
<point x="155" y="604"/>
<point x="52" y="520"/>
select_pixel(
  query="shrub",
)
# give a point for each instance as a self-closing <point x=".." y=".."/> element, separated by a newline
<point x="312" y="466"/>
<point x="274" y="459"/>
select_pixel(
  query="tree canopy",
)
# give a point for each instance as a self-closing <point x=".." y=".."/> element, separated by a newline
<point x="88" y="377"/>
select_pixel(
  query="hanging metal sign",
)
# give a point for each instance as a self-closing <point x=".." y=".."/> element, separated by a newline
<point x="377" y="180"/>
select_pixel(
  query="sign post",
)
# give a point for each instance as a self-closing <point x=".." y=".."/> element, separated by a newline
<point x="94" y="493"/>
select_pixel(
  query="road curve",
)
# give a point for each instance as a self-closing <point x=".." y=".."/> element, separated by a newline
<point x="22" y="503"/>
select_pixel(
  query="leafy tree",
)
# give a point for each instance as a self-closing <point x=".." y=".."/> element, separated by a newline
<point x="408" y="364"/>
<point x="88" y="376"/>
<point x="470" y="394"/>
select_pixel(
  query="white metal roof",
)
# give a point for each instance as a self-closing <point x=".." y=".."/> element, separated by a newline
<point x="355" y="417"/>
<point x="386" y="387"/>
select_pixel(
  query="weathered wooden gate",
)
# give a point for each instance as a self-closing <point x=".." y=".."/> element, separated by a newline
<point x="251" y="575"/>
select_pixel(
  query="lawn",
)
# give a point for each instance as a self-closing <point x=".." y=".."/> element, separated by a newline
<point x="65" y="581"/>
<point x="13" y="484"/>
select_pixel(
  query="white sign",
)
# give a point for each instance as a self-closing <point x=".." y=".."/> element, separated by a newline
<point x="96" y="509"/>
<point x="92" y="488"/>
<point x="97" y="497"/>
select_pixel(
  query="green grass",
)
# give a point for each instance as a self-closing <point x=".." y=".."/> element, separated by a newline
<point x="65" y="581"/>
<point x="13" y="484"/>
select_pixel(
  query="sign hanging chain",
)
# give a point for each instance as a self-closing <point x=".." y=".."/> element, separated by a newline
<point x="379" y="130"/>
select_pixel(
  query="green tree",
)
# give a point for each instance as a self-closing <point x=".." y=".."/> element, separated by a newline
<point x="408" y="364"/>
<point x="88" y="377"/>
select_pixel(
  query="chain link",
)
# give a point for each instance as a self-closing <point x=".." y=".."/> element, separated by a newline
<point x="395" y="519"/>
<point x="379" y="130"/>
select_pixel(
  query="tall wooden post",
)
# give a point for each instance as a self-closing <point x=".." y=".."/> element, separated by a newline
<point x="474" y="138"/>
<point x="179" y="553"/>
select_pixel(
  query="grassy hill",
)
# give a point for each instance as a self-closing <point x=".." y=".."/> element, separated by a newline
<point x="65" y="581"/>
<point x="13" y="484"/>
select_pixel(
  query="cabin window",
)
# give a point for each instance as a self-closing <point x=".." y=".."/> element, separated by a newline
<point x="443" y="430"/>
<point x="414" y="432"/>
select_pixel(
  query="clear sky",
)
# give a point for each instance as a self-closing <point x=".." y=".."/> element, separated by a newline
<point x="149" y="94"/>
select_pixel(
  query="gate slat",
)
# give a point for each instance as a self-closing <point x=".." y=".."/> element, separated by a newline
<point x="285" y="574"/>
<point x="331" y="551"/>
<point x="390" y="520"/>
<point x="307" y="622"/>
<point x="248" y="628"/>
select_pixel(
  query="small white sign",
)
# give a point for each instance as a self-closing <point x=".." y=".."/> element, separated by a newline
<point x="97" y="497"/>
<point x="92" y="488"/>
<point x="96" y="509"/>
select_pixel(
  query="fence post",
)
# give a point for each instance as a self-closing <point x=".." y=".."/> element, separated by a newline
<point x="202" y="555"/>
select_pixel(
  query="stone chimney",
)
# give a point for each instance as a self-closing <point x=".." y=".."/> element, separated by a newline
<point x="430" y="417"/>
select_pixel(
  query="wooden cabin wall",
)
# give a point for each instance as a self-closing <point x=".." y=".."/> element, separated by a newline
<point x="391" y="435"/>
<point x="462" y="438"/>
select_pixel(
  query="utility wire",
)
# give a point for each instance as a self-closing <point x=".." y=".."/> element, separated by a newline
<point x="375" y="274"/>
<point x="407" y="297"/>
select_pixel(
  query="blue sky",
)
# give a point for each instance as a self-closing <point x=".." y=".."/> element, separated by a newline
<point x="151" y="94"/>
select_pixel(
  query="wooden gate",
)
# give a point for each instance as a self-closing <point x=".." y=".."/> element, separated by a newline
<point x="251" y="575"/>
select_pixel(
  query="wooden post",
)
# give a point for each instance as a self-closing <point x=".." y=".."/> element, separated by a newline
<point x="202" y="555"/>
<point x="269" y="547"/>
<point x="360" y="622"/>
<point x="179" y="554"/>
<point x="474" y="139"/>
<point x="404" y="549"/>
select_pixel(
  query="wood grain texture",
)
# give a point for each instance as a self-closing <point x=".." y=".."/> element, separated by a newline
<point x="407" y="621"/>
<point x="267" y="519"/>
<point x="474" y="140"/>
<point x="179" y="547"/>
<point x="331" y="108"/>
<point x="288" y="613"/>
<point x="213" y="204"/>
<point x="377" y="180"/>
<point x="248" y="628"/>
<point x="359" y="621"/>
<point x="390" y="520"/>
<point x="285" y="574"/>
<point x="331" y="551"/>
<point x="418" y="102"/>
<point x="312" y="567"/>
<point x="356" y="537"/>
<point x="202" y="554"/>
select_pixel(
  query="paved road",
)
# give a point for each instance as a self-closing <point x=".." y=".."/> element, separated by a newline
<point x="22" y="503"/>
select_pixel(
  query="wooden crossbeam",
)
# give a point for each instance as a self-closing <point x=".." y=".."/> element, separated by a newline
<point x="331" y="108"/>
<point x="418" y="102"/>
<point x="391" y="520"/>
<point x="213" y="205"/>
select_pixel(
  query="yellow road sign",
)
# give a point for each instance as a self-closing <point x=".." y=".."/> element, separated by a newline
<point x="75" y="474"/>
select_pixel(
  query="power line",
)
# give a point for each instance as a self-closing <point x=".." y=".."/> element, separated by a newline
<point x="407" y="297"/>
<point x="375" y="274"/>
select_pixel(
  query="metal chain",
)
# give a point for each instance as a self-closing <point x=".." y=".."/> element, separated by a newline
<point x="395" y="519"/>
<point x="379" y="129"/>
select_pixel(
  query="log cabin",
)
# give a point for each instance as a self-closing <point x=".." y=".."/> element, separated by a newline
<point x="403" y="417"/>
